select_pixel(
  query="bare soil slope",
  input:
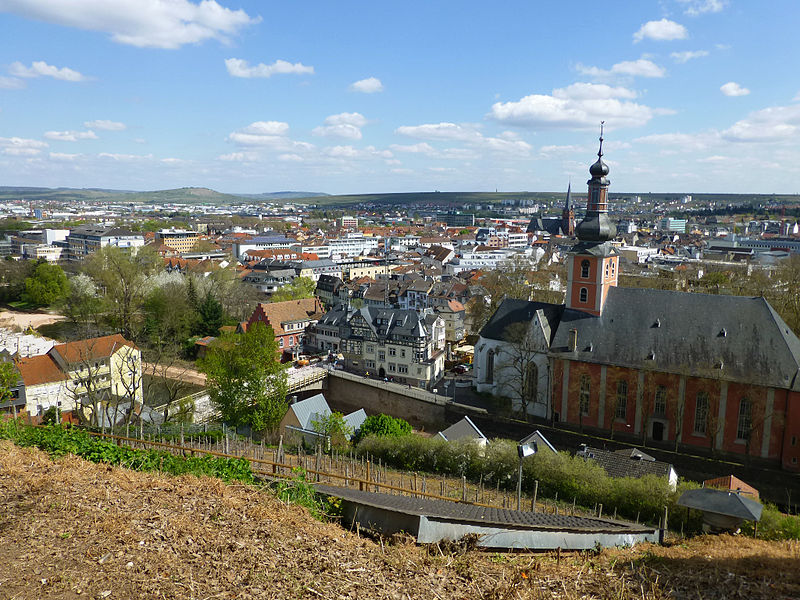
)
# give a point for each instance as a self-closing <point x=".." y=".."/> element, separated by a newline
<point x="73" y="529"/>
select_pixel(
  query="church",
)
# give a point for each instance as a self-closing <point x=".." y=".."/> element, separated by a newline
<point x="684" y="369"/>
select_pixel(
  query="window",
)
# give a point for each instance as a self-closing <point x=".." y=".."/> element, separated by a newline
<point x="531" y="382"/>
<point x="607" y="267"/>
<point x="490" y="366"/>
<point x="392" y="352"/>
<point x="403" y="352"/>
<point x="584" y="394"/>
<point x="370" y="349"/>
<point x="280" y="342"/>
<point x="402" y="369"/>
<point x="701" y="413"/>
<point x="291" y="340"/>
<point x="370" y="364"/>
<point x="392" y="368"/>
<point x="585" y="269"/>
<point x="744" y="425"/>
<point x="584" y="295"/>
<point x="613" y="267"/>
<point x="621" y="411"/>
<point x="381" y="355"/>
<point x="660" y="402"/>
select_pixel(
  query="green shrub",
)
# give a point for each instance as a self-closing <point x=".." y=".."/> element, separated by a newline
<point x="382" y="425"/>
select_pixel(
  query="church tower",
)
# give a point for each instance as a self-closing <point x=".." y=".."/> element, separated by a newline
<point x="568" y="214"/>
<point x="593" y="265"/>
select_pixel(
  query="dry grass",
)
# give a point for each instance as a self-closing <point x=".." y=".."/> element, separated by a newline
<point x="73" y="529"/>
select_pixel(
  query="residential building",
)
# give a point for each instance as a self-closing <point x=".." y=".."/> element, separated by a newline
<point x="72" y="376"/>
<point x="241" y="246"/>
<point x="406" y="345"/>
<point x="302" y="417"/>
<point x="289" y="321"/>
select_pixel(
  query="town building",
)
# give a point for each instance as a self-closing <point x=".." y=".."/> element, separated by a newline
<point x="86" y="239"/>
<point x="347" y="222"/>
<point x="679" y="369"/>
<point x="289" y="321"/>
<point x="72" y="377"/>
<point x="404" y="345"/>
<point x="456" y="219"/>
<point x="182" y="240"/>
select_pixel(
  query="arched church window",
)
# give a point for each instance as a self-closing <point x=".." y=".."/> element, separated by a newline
<point x="490" y="366"/>
<point x="584" y="295"/>
<point x="585" y="268"/>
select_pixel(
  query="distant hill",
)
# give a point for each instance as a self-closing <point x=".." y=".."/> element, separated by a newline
<point x="284" y="195"/>
<point x="186" y="195"/>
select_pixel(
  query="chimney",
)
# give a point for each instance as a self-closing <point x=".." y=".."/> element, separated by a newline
<point x="293" y="400"/>
<point x="573" y="340"/>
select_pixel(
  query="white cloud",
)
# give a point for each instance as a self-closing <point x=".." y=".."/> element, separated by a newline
<point x="70" y="136"/>
<point x="291" y="158"/>
<point x="11" y="83"/>
<point x="63" y="156"/>
<point x="271" y="135"/>
<point x="125" y="157"/>
<point x="370" y="85"/>
<point x="15" y="146"/>
<point x="686" y="56"/>
<point x="734" y="89"/>
<point x="343" y="125"/>
<point x="577" y="106"/>
<point x="590" y="91"/>
<point x="39" y="68"/>
<point x="772" y="124"/>
<point x="105" y="125"/>
<point x="341" y="152"/>
<point x="238" y="67"/>
<point x="661" y="31"/>
<point x="465" y="133"/>
<point x="238" y="157"/>
<point x="683" y="141"/>
<point x="421" y="148"/>
<point x="144" y="23"/>
<point x="699" y="7"/>
<point x="629" y="68"/>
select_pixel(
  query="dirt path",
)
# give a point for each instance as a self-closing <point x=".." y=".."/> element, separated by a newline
<point x="73" y="529"/>
<point x="23" y="320"/>
<point x="178" y="372"/>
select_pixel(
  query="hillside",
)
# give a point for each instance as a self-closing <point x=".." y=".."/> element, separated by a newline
<point x="73" y="529"/>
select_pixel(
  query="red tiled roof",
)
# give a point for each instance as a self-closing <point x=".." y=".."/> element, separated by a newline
<point x="100" y="347"/>
<point x="37" y="370"/>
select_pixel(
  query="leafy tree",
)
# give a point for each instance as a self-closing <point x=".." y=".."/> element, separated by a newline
<point x="46" y="285"/>
<point x="384" y="426"/>
<point x="335" y="429"/>
<point x="123" y="277"/>
<point x="302" y="287"/>
<point x="246" y="382"/>
<point x="211" y="316"/>
<point x="83" y="305"/>
<point x="169" y="317"/>
<point x="9" y="377"/>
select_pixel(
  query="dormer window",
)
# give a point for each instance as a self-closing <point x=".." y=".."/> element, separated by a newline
<point x="585" y="269"/>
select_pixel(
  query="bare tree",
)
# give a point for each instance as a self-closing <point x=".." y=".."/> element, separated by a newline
<point x="166" y="379"/>
<point x="518" y="369"/>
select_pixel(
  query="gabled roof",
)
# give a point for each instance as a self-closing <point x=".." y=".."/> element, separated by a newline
<point x="464" y="429"/>
<point x="91" y="349"/>
<point x="542" y="443"/>
<point x="310" y="409"/>
<point x="733" y="338"/>
<point x="289" y="311"/>
<point x="513" y="311"/>
<point x="38" y="370"/>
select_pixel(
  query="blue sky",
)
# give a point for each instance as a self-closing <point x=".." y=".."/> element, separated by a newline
<point x="357" y="97"/>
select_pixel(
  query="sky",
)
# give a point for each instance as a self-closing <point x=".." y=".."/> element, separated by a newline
<point x="249" y="96"/>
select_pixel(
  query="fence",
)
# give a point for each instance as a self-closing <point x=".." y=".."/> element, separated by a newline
<point x="343" y="470"/>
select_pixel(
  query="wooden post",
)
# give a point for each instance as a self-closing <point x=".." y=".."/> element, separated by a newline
<point x="368" y="474"/>
<point x="463" y="488"/>
<point x="600" y="512"/>
<point x="535" y="493"/>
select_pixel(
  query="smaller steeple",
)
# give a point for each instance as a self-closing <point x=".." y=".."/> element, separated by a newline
<point x="568" y="215"/>
<point x="595" y="227"/>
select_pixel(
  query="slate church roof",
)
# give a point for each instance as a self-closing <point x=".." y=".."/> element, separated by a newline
<point x="734" y="338"/>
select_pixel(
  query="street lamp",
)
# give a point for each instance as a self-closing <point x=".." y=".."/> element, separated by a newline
<point x="524" y="451"/>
